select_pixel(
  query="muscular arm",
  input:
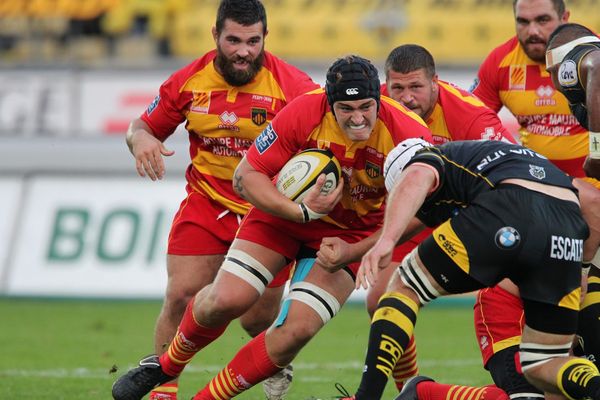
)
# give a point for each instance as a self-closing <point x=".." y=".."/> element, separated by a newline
<point x="405" y="199"/>
<point x="258" y="189"/>
<point x="591" y="68"/>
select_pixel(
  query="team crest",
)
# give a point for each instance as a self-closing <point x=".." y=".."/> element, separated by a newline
<point x="507" y="237"/>
<point x="259" y="115"/>
<point x="537" y="172"/>
<point x="372" y="170"/>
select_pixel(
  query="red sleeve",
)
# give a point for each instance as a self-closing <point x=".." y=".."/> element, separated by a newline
<point x="287" y="134"/>
<point x="163" y="116"/>
<point x="487" y="86"/>
<point x="166" y="112"/>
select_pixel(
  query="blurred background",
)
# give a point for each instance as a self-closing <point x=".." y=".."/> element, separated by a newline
<point x="75" y="219"/>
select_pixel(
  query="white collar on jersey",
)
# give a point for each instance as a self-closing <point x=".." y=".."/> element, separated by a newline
<point x="558" y="54"/>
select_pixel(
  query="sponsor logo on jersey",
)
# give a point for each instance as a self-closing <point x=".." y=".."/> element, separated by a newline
<point x="257" y="98"/>
<point x="228" y="121"/>
<point x="265" y="139"/>
<point x="259" y="115"/>
<point x="153" y="105"/>
<point x="200" y="102"/>
<point x="564" y="248"/>
<point x="474" y="85"/>
<point x="507" y="237"/>
<point x="567" y="74"/>
<point x="517" y="77"/>
<point x="544" y="94"/>
<point x="537" y="172"/>
<point x="490" y="133"/>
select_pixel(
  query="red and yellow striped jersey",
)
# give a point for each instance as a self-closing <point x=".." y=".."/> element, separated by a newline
<point x="508" y="77"/>
<point x="458" y="115"/>
<point x="222" y="120"/>
<point x="308" y="123"/>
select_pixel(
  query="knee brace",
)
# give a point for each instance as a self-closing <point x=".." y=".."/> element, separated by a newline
<point x="245" y="267"/>
<point x="413" y="276"/>
<point x="324" y="303"/>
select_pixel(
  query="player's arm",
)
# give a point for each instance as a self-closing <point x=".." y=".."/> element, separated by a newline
<point x="590" y="66"/>
<point x="335" y="252"/>
<point x="257" y="188"/>
<point x="415" y="183"/>
<point x="146" y="149"/>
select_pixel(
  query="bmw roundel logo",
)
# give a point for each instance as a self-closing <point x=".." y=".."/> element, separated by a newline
<point x="507" y="237"/>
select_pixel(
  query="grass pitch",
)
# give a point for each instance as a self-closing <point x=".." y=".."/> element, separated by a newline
<point x="65" y="349"/>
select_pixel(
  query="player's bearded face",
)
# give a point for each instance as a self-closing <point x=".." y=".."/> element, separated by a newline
<point x="239" y="70"/>
<point x="535" y="21"/>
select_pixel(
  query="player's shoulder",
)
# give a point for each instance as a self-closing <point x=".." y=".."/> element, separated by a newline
<point x="390" y="110"/>
<point x="277" y="65"/>
<point x="503" y="50"/>
<point x="308" y="106"/>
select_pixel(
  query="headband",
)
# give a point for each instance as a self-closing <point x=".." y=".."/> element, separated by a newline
<point x="557" y="55"/>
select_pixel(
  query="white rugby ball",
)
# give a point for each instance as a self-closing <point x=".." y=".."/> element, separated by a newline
<point x="300" y="173"/>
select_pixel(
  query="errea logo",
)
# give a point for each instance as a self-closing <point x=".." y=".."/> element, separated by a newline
<point x="352" y="91"/>
<point x="228" y="118"/>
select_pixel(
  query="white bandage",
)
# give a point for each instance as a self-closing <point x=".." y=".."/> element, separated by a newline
<point x="244" y="266"/>
<point x="533" y="355"/>
<point x="595" y="145"/>
<point x="413" y="276"/>
<point x="325" y="304"/>
<point x="557" y="55"/>
<point x="308" y="214"/>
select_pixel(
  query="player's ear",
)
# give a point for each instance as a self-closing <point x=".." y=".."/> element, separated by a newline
<point x="566" y="16"/>
<point x="215" y="34"/>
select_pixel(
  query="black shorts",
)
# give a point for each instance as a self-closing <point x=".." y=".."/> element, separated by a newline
<point x="533" y="239"/>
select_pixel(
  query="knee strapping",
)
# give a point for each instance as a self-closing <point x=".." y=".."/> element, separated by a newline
<point x="413" y="276"/>
<point x="246" y="267"/>
<point x="533" y="354"/>
<point x="324" y="303"/>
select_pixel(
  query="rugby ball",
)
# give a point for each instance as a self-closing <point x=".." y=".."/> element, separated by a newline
<point x="300" y="173"/>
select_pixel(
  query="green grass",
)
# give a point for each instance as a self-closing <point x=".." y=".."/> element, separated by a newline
<point x="64" y="349"/>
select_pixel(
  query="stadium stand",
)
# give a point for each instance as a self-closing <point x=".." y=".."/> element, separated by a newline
<point x="457" y="32"/>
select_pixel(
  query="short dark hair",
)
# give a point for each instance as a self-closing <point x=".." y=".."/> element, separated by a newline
<point x="570" y="32"/>
<point x="244" y="12"/>
<point x="408" y="58"/>
<point x="559" y="6"/>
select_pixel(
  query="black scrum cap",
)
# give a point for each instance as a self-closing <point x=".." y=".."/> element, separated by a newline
<point x="352" y="78"/>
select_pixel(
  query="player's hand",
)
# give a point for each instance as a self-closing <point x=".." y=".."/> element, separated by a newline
<point x="148" y="151"/>
<point x="323" y="203"/>
<point x="333" y="253"/>
<point x="379" y="257"/>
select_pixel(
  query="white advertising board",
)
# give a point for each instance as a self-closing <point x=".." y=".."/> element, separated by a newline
<point x="10" y="194"/>
<point x="94" y="236"/>
<point x="37" y="103"/>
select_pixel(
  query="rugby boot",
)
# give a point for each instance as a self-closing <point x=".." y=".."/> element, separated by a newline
<point x="409" y="391"/>
<point x="137" y="382"/>
<point x="278" y="385"/>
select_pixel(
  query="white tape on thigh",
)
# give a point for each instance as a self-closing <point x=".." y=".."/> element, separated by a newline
<point x="413" y="276"/>
<point x="533" y="354"/>
<point x="315" y="297"/>
<point x="244" y="266"/>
